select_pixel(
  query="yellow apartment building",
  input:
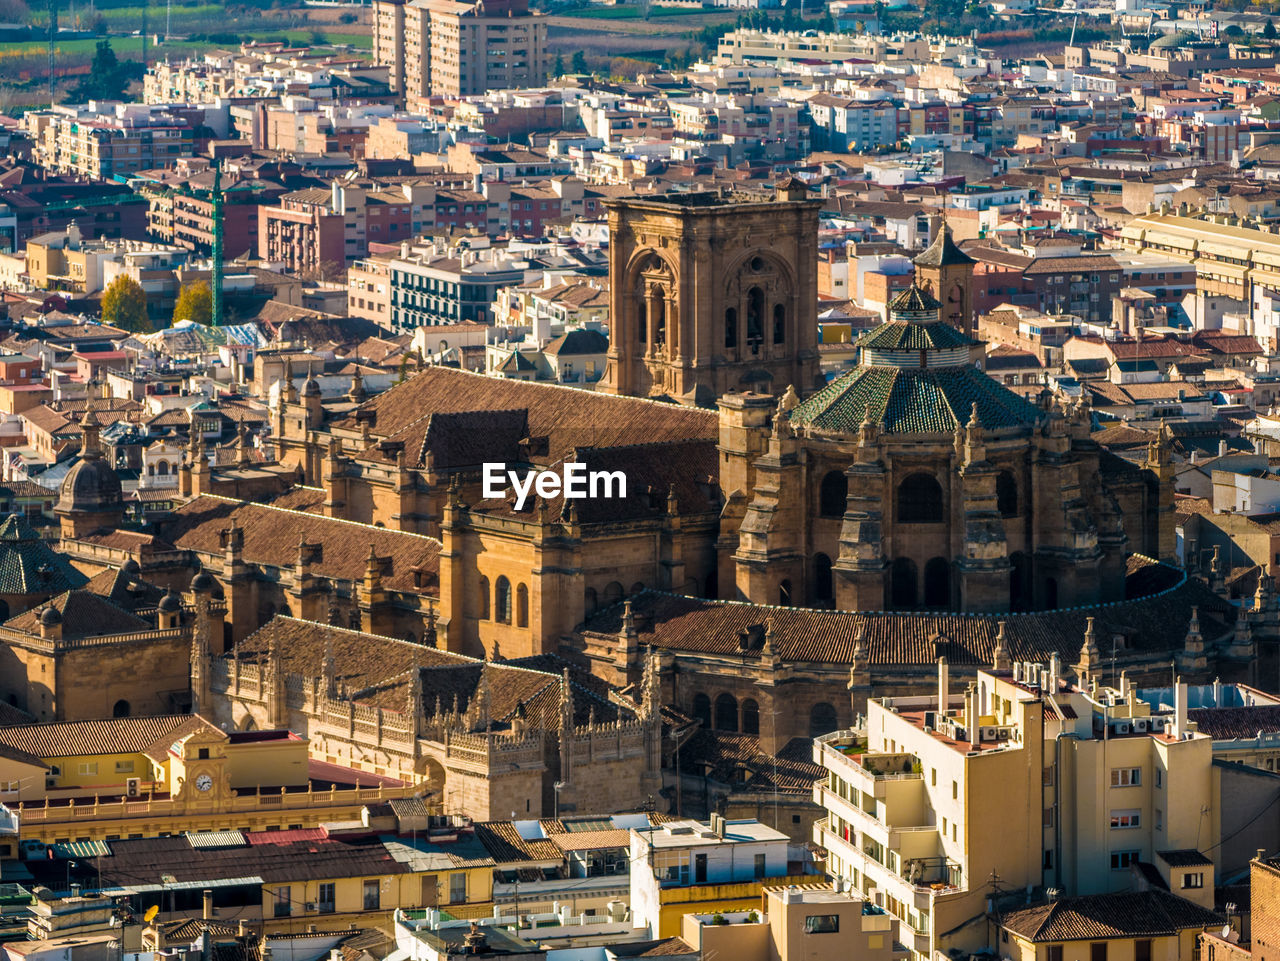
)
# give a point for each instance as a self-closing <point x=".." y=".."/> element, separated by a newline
<point x="138" y="777"/>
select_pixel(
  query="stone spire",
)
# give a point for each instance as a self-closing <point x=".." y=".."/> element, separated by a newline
<point x="1000" y="660"/>
<point x="1089" y="655"/>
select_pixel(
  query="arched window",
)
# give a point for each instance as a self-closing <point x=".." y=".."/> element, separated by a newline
<point x="612" y="593"/>
<point x="755" y="318"/>
<point x="589" y="601"/>
<point x="833" y="494"/>
<point x="750" y="717"/>
<point x="822" y="587"/>
<point x="730" y="328"/>
<point x="920" y="500"/>
<point x="659" y="310"/>
<point x="937" y="583"/>
<point x="1019" y="582"/>
<point x="482" y="593"/>
<point x="822" y="719"/>
<point x="1007" y="494"/>
<point x="522" y="606"/>
<point x="164" y="468"/>
<point x="502" y="601"/>
<point x="121" y="709"/>
<point x="702" y="710"/>
<point x="903" y="590"/>
<point x="151" y="470"/>
<point x="637" y="588"/>
<point x="779" y="324"/>
<point x="784" y="593"/>
<point x="727" y="713"/>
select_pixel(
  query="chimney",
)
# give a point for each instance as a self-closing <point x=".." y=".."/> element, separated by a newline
<point x="944" y="685"/>
<point x="1262" y="854"/>
<point x="207" y="899"/>
<point x="1222" y="448"/>
<point x="1180" y="709"/>
<point x="971" y="714"/>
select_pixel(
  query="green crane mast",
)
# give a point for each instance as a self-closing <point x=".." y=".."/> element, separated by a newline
<point x="217" y="244"/>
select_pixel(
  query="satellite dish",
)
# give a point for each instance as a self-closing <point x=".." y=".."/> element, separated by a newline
<point x="1226" y="930"/>
<point x="151" y="913"/>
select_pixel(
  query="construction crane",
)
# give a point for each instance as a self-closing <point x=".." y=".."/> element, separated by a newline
<point x="217" y="244"/>
<point x="53" y="43"/>
<point x="215" y="198"/>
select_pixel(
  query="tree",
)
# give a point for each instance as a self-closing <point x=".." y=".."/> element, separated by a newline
<point x="557" y="70"/>
<point x="124" y="305"/>
<point x="1269" y="31"/>
<point x="107" y="79"/>
<point x="578" y="64"/>
<point x="194" y="303"/>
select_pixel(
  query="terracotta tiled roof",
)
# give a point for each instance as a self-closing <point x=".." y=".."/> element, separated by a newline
<point x="1099" y="917"/>
<point x="564" y="415"/>
<point x="1227" y="723"/>
<point x="1155" y="620"/>
<point x="506" y="846"/>
<point x="84" y="614"/>
<point x="118" y="735"/>
<point x="272" y="534"/>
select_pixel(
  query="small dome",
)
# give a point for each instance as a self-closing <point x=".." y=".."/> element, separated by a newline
<point x="311" y="388"/>
<point x="130" y="568"/>
<point x="50" y="617"/>
<point x="92" y="486"/>
<point x="170" y="604"/>
<point x="202" y="583"/>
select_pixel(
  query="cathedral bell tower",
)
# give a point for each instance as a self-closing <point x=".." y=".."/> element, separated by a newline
<point x="712" y="294"/>
<point x="946" y="271"/>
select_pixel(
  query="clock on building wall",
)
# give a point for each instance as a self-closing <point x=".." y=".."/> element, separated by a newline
<point x="204" y="782"/>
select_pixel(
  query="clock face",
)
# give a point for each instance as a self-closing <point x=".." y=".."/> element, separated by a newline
<point x="204" y="782"/>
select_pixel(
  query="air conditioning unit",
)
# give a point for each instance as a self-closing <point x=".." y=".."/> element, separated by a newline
<point x="1122" y="727"/>
<point x="1004" y="734"/>
<point x="50" y="782"/>
<point x="1140" y="724"/>
<point x="133" y="787"/>
<point x="311" y="905"/>
<point x="987" y="733"/>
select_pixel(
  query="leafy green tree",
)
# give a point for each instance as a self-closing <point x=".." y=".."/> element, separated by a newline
<point x="578" y="64"/>
<point x="1269" y="31"/>
<point x="107" y="80"/>
<point x="195" y="302"/>
<point x="557" y="69"/>
<point x="124" y="305"/>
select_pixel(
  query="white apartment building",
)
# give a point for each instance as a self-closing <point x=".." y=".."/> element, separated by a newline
<point x="1023" y="777"/>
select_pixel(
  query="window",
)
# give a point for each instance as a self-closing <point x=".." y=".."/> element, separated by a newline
<point x="920" y="500"/>
<point x="325" y="903"/>
<point x="1126" y="819"/>
<point x="822" y="924"/>
<point x="1126" y="777"/>
<point x="1159" y="778"/>
<point x="457" y="888"/>
<point x="203" y="754"/>
<point x="502" y="601"/>
<point x="1048" y="817"/>
<point x="955" y="790"/>
<point x="833" y="494"/>
<point x="124" y="767"/>
<point x="759" y="867"/>
<point x="1142" y="950"/>
<point x="1047" y="861"/>
<point x="282" y="902"/>
<point x="522" y="606"/>
<point x="1159" y="817"/>
<point x="1120" y="860"/>
<point x="1047" y="777"/>
<point x="372" y="895"/>
<point x="88" y="767"/>
<point x="1098" y="951"/>
<point x="1192" y="880"/>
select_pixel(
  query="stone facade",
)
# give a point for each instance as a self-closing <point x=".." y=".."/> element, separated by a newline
<point x="708" y="295"/>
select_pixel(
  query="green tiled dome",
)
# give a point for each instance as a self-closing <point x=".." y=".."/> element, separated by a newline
<point x="898" y="335"/>
<point x="913" y="401"/>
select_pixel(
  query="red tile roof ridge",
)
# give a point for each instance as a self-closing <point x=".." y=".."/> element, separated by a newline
<point x="340" y="520"/>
